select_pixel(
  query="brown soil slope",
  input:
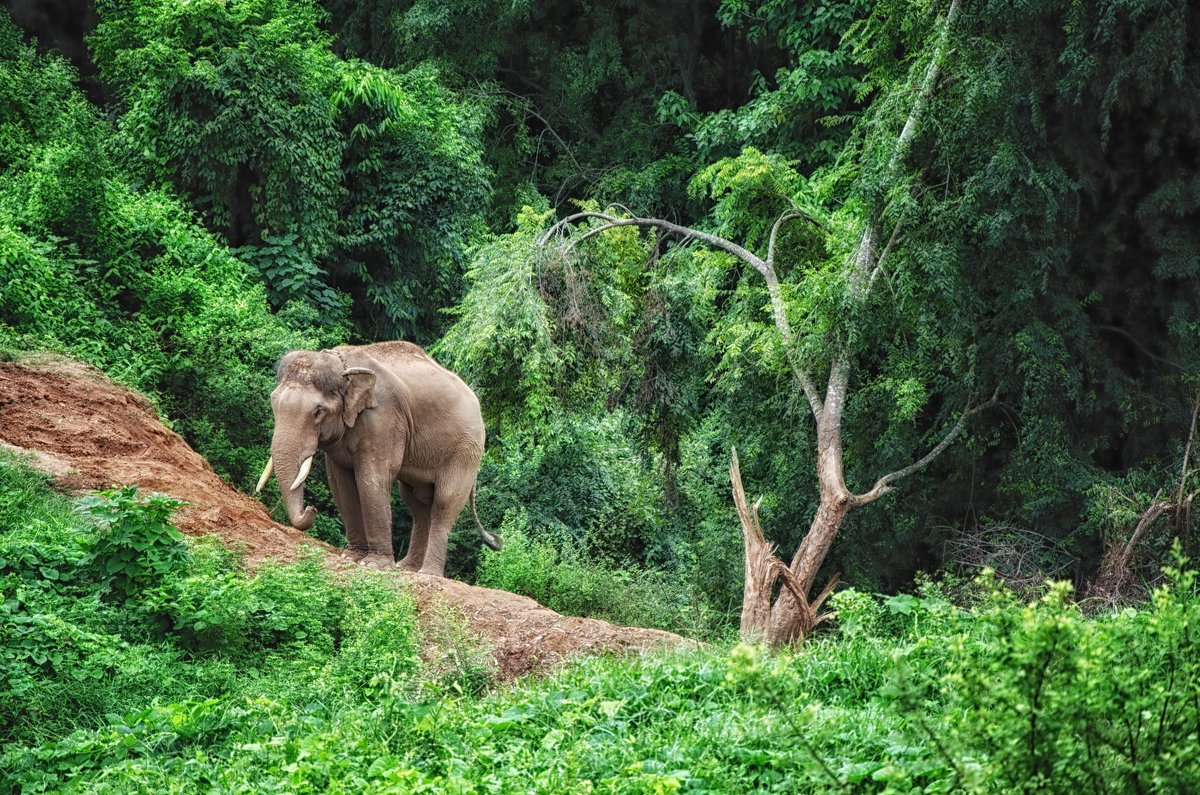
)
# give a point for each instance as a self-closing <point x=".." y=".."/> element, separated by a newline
<point x="90" y="433"/>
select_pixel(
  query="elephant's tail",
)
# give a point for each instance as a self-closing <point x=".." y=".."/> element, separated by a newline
<point x="491" y="539"/>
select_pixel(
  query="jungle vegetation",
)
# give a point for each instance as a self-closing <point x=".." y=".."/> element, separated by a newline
<point x="979" y="223"/>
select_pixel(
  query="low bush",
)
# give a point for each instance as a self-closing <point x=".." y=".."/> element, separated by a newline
<point x="574" y="584"/>
<point x="135" y="546"/>
<point x="295" y="681"/>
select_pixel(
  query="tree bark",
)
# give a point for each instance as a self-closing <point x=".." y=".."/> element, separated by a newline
<point x="793" y="616"/>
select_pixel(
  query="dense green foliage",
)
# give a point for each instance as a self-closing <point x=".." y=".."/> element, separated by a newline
<point x="327" y="175"/>
<point x="294" y="681"/>
<point x="243" y="177"/>
<point x="1025" y="259"/>
<point x="122" y="276"/>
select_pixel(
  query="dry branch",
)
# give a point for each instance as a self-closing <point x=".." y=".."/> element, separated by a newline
<point x="761" y="566"/>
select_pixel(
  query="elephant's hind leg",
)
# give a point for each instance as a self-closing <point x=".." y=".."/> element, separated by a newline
<point x="449" y="497"/>
<point x="418" y="500"/>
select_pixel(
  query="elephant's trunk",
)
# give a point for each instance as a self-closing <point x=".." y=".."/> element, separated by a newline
<point x="291" y="469"/>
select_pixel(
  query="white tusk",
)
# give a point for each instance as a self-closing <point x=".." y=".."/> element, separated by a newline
<point x="305" y="468"/>
<point x="266" y="475"/>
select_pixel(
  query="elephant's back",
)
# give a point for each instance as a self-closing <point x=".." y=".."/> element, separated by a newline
<point x="432" y="388"/>
<point x="397" y="351"/>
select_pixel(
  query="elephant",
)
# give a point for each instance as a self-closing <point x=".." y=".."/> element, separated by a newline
<point x="381" y="413"/>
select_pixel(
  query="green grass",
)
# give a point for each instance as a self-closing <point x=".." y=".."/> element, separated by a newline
<point x="199" y="678"/>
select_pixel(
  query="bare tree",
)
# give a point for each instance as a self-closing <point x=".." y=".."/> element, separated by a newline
<point x="794" y="613"/>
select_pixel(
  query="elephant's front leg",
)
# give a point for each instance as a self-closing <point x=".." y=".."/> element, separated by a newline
<point x="375" y="499"/>
<point x="345" y="495"/>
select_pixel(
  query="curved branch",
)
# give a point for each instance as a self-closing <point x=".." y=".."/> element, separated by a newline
<point x="611" y="221"/>
<point x="765" y="268"/>
<point x="883" y="485"/>
<point x="790" y="215"/>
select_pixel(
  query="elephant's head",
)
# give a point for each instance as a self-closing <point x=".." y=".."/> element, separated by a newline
<point x="316" y="400"/>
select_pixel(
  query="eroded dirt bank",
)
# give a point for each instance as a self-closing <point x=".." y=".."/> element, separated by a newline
<point x="90" y="433"/>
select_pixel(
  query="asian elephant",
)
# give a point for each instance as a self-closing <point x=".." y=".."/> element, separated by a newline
<point x="381" y="413"/>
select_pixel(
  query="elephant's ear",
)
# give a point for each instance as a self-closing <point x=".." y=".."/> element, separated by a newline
<point x="360" y="393"/>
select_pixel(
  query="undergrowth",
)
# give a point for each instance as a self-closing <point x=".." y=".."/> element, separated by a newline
<point x="204" y="678"/>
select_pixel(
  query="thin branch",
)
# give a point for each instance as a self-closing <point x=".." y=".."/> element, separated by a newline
<point x="825" y="592"/>
<point x="1155" y="510"/>
<point x="590" y="233"/>
<point x="883" y="485"/>
<point x="927" y="85"/>
<point x="887" y="249"/>
<point x="1183" y="473"/>
<point x="790" y="215"/>
<point x="865" y="260"/>
<point x="779" y="222"/>
<point x="1138" y="344"/>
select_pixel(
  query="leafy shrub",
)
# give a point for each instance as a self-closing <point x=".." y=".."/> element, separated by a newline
<point x="47" y="645"/>
<point x="378" y="651"/>
<point x="213" y="608"/>
<point x="456" y="660"/>
<point x="206" y="608"/>
<point x="135" y="547"/>
<point x="1062" y="702"/>
<point x="314" y="685"/>
<point x="191" y="659"/>
<point x="898" y="616"/>
<point x="580" y="483"/>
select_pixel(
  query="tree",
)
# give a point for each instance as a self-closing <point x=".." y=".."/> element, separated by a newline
<point x="795" y="613"/>
<point x="332" y="177"/>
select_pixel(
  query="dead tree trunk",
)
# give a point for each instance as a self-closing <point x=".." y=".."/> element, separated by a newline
<point x="761" y="565"/>
<point x="763" y="569"/>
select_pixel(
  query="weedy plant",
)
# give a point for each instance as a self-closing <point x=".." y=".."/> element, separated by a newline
<point x="135" y="546"/>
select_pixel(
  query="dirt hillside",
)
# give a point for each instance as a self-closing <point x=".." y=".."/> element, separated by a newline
<point x="90" y="433"/>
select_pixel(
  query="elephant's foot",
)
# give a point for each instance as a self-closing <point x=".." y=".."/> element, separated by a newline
<point x="433" y="572"/>
<point x="408" y="564"/>
<point x="355" y="554"/>
<point x="376" y="560"/>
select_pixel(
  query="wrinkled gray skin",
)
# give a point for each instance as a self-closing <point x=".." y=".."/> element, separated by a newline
<point x="382" y="414"/>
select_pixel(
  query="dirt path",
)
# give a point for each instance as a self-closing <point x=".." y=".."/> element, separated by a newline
<point x="90" y="433"/>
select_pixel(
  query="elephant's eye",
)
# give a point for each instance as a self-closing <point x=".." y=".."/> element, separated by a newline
<point x="318" y="411"/>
